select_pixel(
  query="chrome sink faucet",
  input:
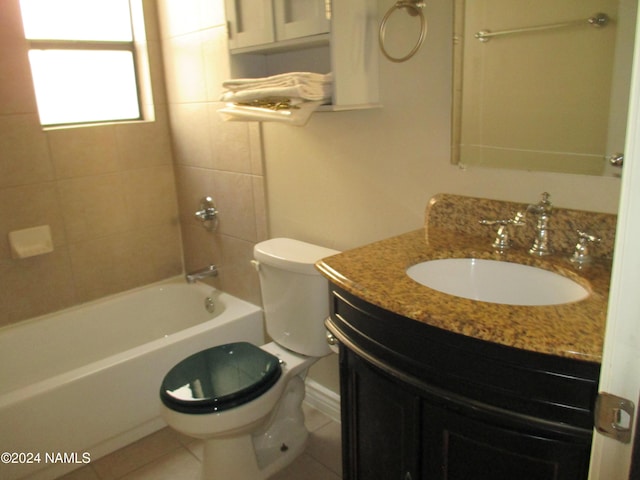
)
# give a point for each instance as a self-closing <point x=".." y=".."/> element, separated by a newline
<point x="542" y="244"/>
<point x="210" y="271"/>
<point x="581" y="255"/>
<point x="502" y="241"/>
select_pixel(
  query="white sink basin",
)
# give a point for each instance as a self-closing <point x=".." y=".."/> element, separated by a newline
<point x="497" y="282"/>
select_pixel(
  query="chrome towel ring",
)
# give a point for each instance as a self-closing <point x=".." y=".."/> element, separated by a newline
<point x="414" y="8"/>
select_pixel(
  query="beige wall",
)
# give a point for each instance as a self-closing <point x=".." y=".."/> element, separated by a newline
<point x="213" y="158"/>
<point x="108" y="193"/>
<point x="365" y="175"/>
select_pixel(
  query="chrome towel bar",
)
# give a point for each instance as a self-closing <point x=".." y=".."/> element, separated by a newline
<point x="598" y="20"/>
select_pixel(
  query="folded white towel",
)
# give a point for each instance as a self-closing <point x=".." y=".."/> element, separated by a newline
<point x="304" y="85"/>
<point x="283" y="79"/>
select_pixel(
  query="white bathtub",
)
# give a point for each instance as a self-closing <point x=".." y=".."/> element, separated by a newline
<point x="83" y="382"/>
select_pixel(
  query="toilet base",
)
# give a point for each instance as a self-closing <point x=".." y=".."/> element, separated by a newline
<point x="259" y="455"/>
<point x="230" y="458"/>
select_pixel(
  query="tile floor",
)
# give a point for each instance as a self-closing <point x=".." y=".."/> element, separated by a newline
<point x="167" y="455"/>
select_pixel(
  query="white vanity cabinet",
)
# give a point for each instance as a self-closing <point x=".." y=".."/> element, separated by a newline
<point x="269" y="37"/>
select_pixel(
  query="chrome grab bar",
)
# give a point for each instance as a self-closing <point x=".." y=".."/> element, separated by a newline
<point x="598" y="20"/>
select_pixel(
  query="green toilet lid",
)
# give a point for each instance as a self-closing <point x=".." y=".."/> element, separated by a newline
<point x="219" y="378"/>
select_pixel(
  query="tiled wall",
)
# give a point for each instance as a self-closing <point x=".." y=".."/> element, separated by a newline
<point x="213" y="158"/>
<point x="108" y="192"/>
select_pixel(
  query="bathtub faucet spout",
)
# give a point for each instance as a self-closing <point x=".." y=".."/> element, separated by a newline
<point x="210" y="271"/>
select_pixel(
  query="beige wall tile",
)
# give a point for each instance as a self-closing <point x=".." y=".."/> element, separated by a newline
<point x="106" y="265"/>
<point x="213" y="157"/>
<point x="111" y="264"/>
<point x="178" y="17"/>
<point x="191" y="138"/>
<point x="260" y="206"/>
<point x="82" y="151"/>
<point x="216" y="67"/>
<point x="255" y="143"/>
<point x="232" y="148"/>
<point x="156" y="73"/>
<point x="30" y="206"/>
<point x="150" y="195"/>
<point x="193" y="184"/>
<point x="24" y="154"/>
<point x="237" y="275"/>
<point x="201" y="247"/>
<point x="212" y="13"/>
<point x="160" y="252"/>
<point x="144" y="144"/>
<point x="95" y="206"/>
<point x="233" y="194"/>
<point x="184" y="69"/>
<point x="35" y="286"/>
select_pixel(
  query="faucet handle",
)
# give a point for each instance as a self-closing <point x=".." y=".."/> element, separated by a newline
<point x="587" y="237"/>
<point x="502" y="241"/>
<point x="581" y="253"/>
<point x="516" y="220"/>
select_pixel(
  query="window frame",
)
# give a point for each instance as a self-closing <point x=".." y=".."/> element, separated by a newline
<point x="97" y="45"/>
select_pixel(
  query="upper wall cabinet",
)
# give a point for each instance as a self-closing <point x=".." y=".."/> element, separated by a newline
<point x="268" y="37"/>
<point x="249" y="22"/>
<point x="265" y="22"/>
<point x="301" y="18"/>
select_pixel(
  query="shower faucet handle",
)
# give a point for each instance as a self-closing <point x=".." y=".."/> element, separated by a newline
<point x="208" y="214"/>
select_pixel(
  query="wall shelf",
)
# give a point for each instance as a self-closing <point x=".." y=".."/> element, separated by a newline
<point x="345" y="44"/>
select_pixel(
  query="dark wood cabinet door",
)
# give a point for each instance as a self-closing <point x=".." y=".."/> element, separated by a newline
<point x="420" y="403"/>
<point x="381" y="424"/>
<point x="459" y="447"/>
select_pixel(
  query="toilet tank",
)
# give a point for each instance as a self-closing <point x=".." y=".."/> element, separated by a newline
<point x="294" y="294"/>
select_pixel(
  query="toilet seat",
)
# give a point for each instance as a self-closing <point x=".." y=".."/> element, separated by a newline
<point x="219" y="378"/>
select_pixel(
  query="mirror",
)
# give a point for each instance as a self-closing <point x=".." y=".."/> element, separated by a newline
<point x="547" y="89"/>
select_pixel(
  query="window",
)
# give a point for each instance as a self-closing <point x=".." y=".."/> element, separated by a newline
<point x="83" y="60"/>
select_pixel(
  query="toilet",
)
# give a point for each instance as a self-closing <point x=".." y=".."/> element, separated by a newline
<point x="242" y="400"/>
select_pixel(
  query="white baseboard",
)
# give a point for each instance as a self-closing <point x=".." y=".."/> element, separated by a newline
<point x="322" y="399"/>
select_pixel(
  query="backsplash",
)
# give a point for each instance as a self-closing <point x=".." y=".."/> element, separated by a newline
<point x="463" y="214"/>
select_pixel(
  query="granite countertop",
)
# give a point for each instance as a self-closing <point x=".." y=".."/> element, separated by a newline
<point x="376" y="274"/>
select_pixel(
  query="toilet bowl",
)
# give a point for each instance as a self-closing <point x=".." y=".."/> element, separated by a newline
<point x="248" y="427"/>
<point x="245" y="401"/>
